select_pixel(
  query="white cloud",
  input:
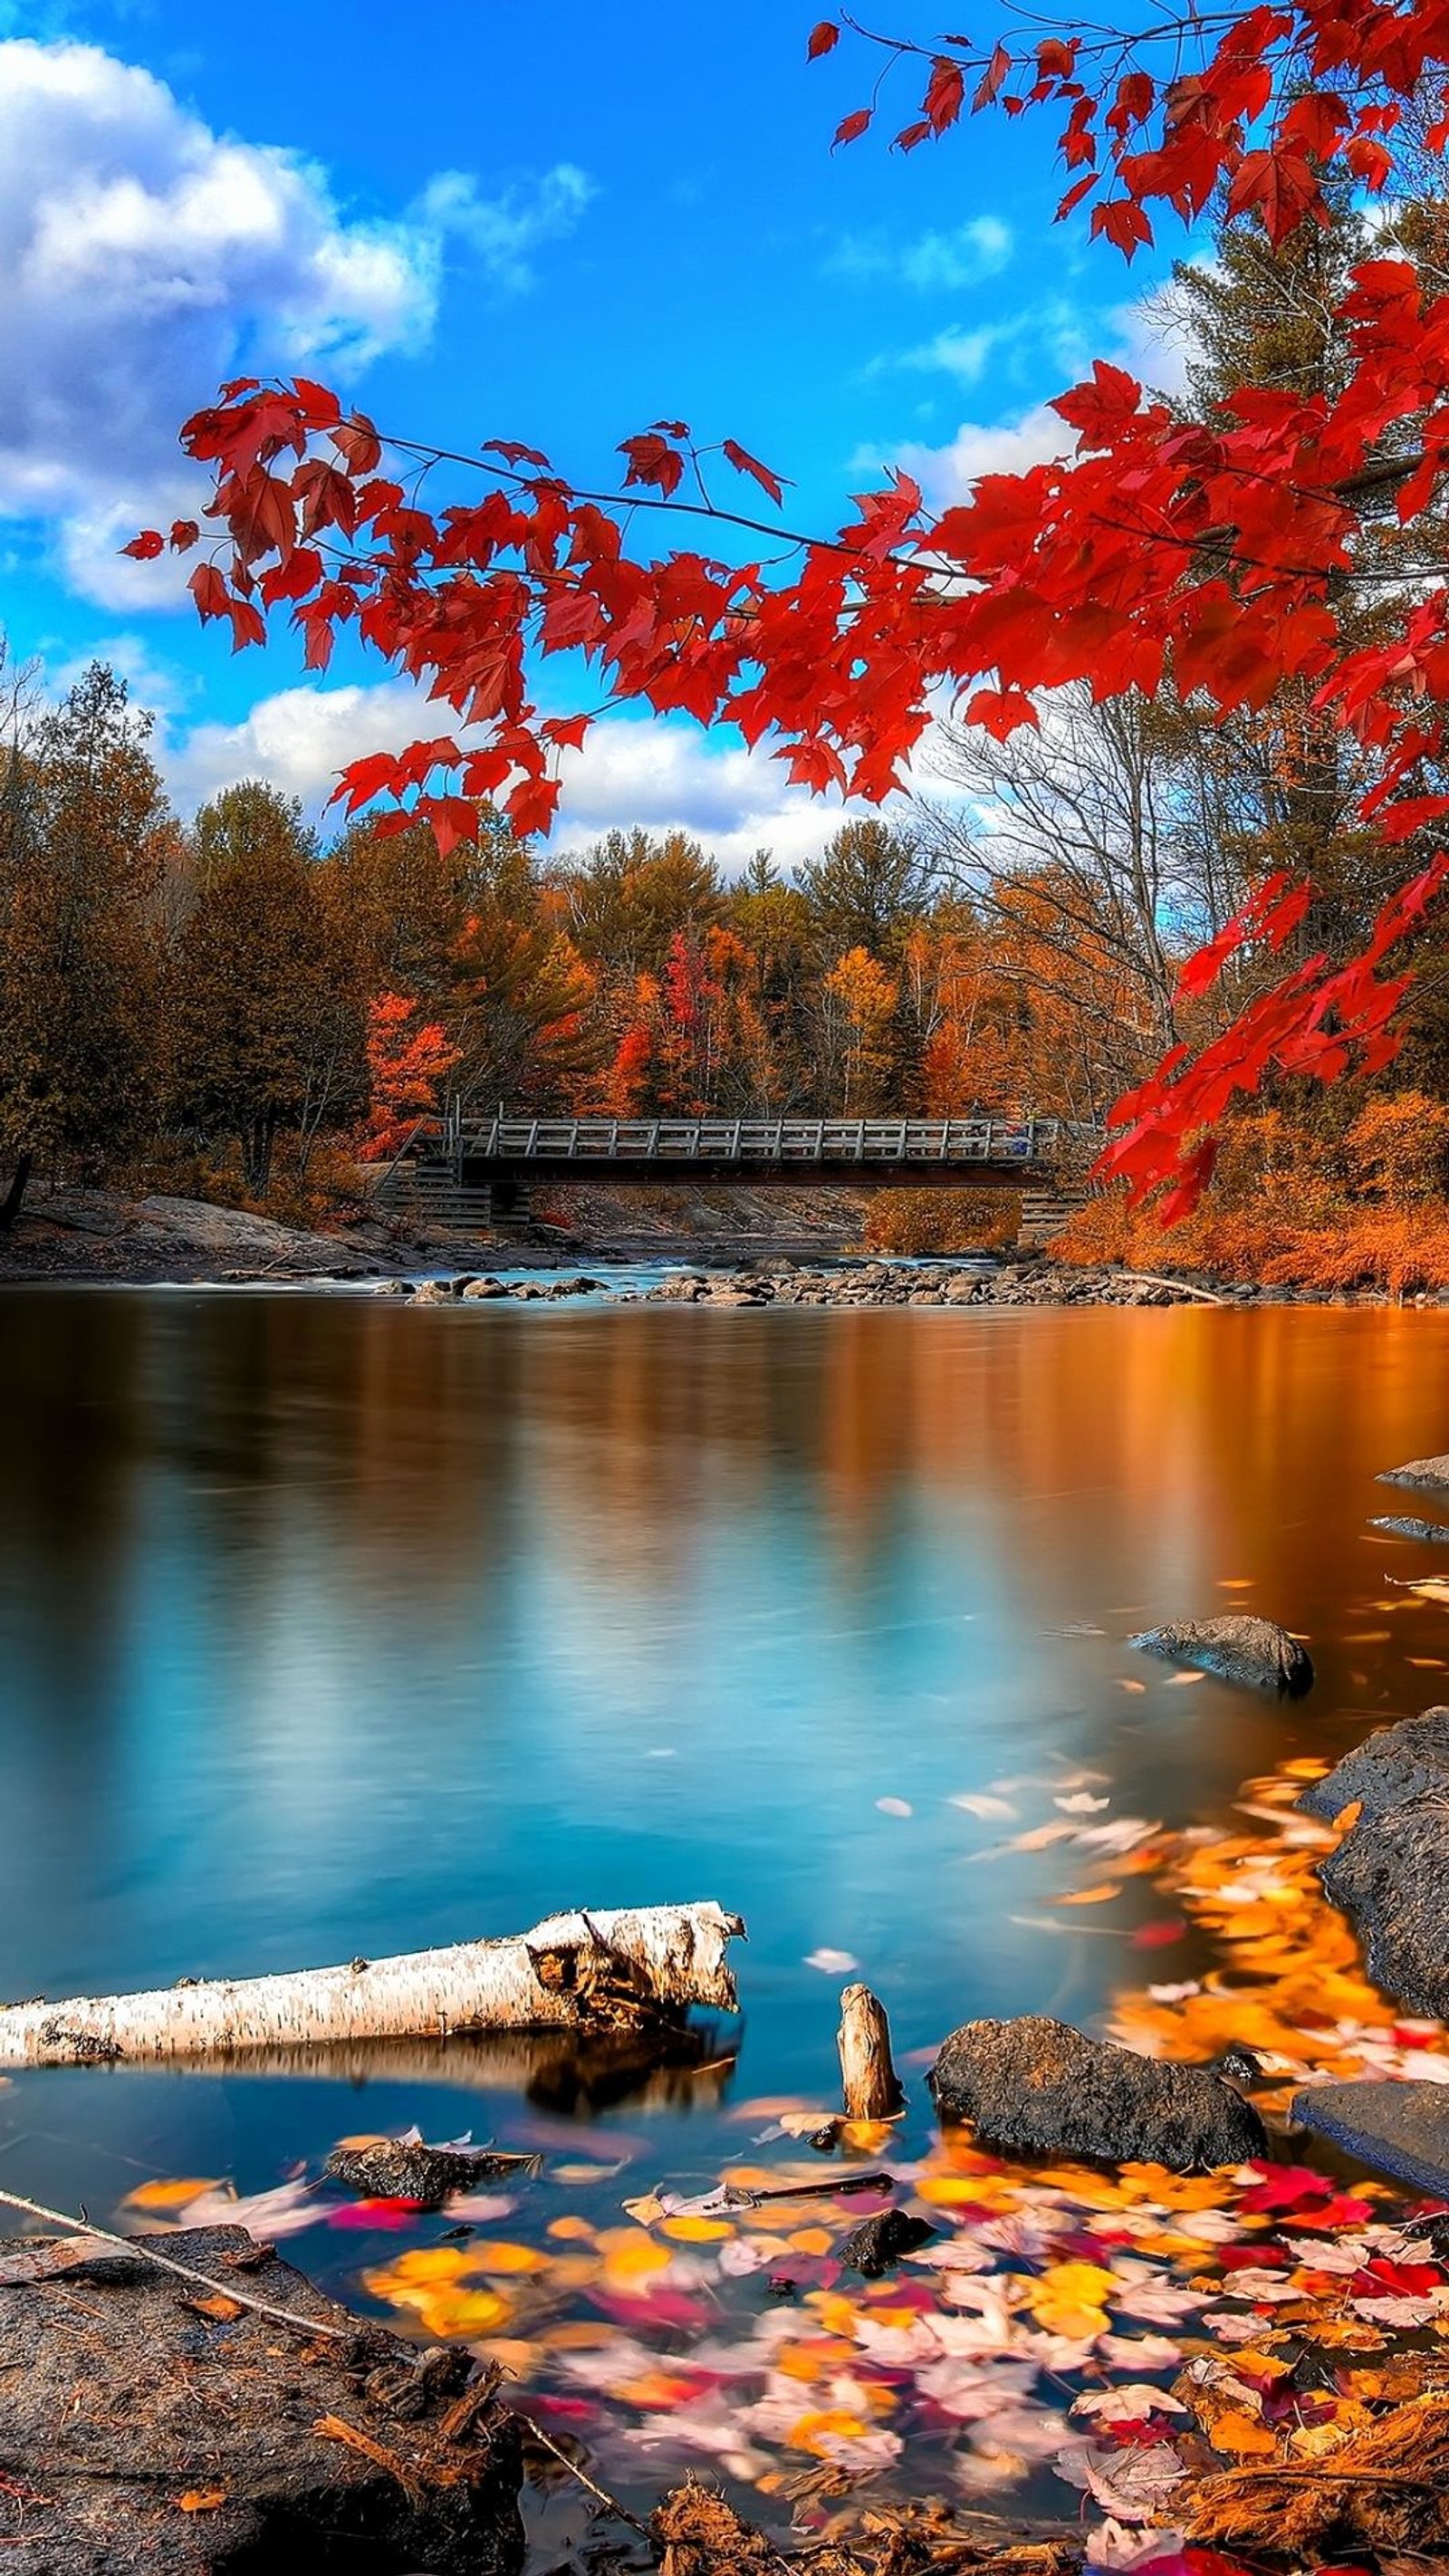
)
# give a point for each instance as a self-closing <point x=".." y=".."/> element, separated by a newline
<point x="1140" y="337"/>
<point x="297" y="740"/>
<point x="935" y="262"/>
<point x="640" y="770"/>
<point x="963" y="354"/>
<point x="947" y="473"/>
<point x="143" y="258"/>
<point x="634" y="769"/>
<point x="505" y="231"/>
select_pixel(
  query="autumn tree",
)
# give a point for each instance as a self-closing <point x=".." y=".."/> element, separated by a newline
<point x="521" y="1008"/>
<point x="82" y="822"/>
<point x="408" y="1061"/>
<point x="871" y="881"/>
<point x="631" y="893"/>
<point x="268" y="1022"/>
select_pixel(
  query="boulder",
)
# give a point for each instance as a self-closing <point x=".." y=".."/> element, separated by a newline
<point x="1036" y="2087"/>
<point x="1398" y="1762"/>
<point x="1430" y="1473"/>
<point x="156" y="2430"/>
<point x="1256" y="1653"/>
<point x="433" y="1292"/>
<point x="1412" y="1528"/>
<point x="1391" y="1875"/>
<point x="480" y="1288"/>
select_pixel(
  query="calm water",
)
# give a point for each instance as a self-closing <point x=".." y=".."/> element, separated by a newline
<point x="327" y="1627"/>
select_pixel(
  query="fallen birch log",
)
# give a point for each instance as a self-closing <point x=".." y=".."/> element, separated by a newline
<point x="583" y="1972"/>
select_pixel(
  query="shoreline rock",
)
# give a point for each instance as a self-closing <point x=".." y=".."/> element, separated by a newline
<point x="175" y="2435"/>
<point x="1394" y="1764"/>
<point x="1255" y="1653"/>
<point x="1430" y="1475"/>
<point x="1036" y="2087"/>
<point x="1390" y="1875"/>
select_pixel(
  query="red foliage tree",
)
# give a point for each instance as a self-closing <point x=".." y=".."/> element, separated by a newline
<point x="407" y="1059"/>
<point x="1217" y="549"/>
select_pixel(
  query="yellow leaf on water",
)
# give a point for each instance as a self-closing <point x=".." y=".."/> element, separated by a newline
<point x="166" y="2195"/>
<point x="506" y="2258"/>
<point x="696" y="2231"/>
<point x="811" y="2240"/>
<point x="571" y="2228"/>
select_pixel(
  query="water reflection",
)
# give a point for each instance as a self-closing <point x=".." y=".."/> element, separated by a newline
<point x="330" y="1627"/>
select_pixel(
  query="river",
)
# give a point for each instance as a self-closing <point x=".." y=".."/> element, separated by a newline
<point x="334" y="1628"/>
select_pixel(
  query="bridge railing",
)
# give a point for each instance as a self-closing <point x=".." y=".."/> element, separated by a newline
<point x="767" y="1140"/>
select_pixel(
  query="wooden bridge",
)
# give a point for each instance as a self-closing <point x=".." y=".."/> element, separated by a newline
<point x="484" y="1171"/>
<point x="848" y="1153"/>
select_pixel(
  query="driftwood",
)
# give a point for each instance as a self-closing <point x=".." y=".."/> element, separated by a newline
<point x="582" y="1972"/>
<point x="871" y="2086"/>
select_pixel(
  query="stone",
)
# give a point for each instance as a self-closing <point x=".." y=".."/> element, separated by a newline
<point x="1437" y="1530"/>
<point x="1398" y="1762"/>
<point x="1431" y="1473"/>
<point x="1256" y="1653"/>
<point x="433" y="1292"/>
<point x="879" y="2243"/>
<point x="149" y="2435"/>
<point x="407" y="2169"/>
<point x="480" y="1288"/>
<point x="1391" y="1875"/>
<point x="1398" y="2129"/>
<point x="1036" y="2087"/>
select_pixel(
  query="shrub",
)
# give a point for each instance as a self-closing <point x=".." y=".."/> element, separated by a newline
<point x="1399" y="1147"/>
<point x="935" y="1221"/>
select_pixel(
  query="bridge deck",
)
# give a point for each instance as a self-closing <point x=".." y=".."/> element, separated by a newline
<point x="855" y="1153"/>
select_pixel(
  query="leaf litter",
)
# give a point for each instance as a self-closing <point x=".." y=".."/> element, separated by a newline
<point x="1188" y="2375"/>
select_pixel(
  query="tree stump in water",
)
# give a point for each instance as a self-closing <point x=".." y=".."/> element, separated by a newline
<point x="868" y="2076"/>
<point x="150" y="2430"/>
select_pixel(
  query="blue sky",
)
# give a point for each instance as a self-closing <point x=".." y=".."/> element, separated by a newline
<point x="543" y="219"/>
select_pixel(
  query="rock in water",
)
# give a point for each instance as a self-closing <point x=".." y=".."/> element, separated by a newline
<point x="1435" y="1530"/>
<point x="406" y="2169"/>
<point x="1398" y="2129"/>
<point x="1037" y="2087"/>
<point x="1398" y="1762"/>
<point x="879" y="2243"/>
<point x="1431" y="1473"/>
<point x="152" y="2432"/>
<point x="1391" y="1874"/>
<point x="1255" y="1652"/>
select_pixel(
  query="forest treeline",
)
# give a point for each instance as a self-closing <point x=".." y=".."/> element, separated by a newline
<point x="229" y="999"/>
<point x="229" y="1006"/>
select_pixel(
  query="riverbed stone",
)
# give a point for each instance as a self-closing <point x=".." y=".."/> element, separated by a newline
<point x="1435" y="1530"/>
<point x="1036" y="2087"/>
<point x="146" y="2435"/>
<point x="1430" y="1473"/>
<point x="1254" y="1652"/>
<point x="477" y="1289"/>
<point x="1398" y="2129"/>
<point x="1396" y="1763"/>
<point x="1391" y="1876"/>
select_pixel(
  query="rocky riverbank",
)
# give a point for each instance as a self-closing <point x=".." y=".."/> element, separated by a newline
<point x="102" y="1235"/>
